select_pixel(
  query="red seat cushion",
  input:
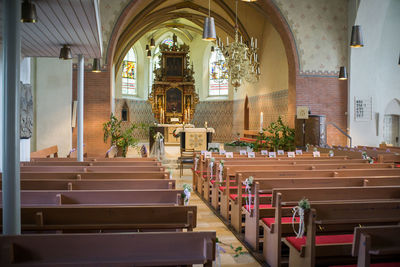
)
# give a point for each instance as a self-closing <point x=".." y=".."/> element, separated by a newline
<point x="262" y="206"/>
<point x="205" y="175"/>
<point x="270" y="221"/>
<point x="321" y="240"/>
<point x="234" y="196"/>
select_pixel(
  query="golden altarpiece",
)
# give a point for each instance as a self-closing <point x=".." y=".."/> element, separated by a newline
<point x="173" y="97"/>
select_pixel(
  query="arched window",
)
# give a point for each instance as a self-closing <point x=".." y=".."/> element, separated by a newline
<point x="129" y="74"/>
<point x="218" y="74"/>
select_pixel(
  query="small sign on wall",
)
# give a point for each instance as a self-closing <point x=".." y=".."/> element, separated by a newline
<point x="302" y="112"/>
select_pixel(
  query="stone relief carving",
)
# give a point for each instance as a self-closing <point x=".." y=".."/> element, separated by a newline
<point x="26" y="111"/>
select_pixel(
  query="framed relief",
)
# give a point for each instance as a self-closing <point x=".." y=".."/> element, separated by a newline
<point x="174" y="100"/>
<point x="174" y="66"/>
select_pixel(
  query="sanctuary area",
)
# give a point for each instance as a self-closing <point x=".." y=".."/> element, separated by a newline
<point x="200" y="132"/>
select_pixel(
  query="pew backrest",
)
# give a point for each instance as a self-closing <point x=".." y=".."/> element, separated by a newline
<point x="45" y="153"/>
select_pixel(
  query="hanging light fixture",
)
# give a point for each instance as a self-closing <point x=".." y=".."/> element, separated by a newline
<point x="65" y="52"/>
<point x="212" y="49"/>
<point x="356" y="37"/>
<point x="28" y="12"/>
<point x="147" y="47"/>
<point x="241" y="60"/>
<point x="249" y="0"/>
<point x="399" y="59"/>
<point x="96" y="67"/>
<point x="152" y="43"/>
<point x="149" y="54"/>
<point x="209" y="33"/>
<point x="342" y="73"/>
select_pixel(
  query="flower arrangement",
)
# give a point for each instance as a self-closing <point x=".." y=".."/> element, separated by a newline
<point x="120" y="136"/>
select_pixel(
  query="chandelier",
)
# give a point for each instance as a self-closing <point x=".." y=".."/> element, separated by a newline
<point x="241" y="60"/>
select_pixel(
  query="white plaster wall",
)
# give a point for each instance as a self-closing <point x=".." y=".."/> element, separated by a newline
<point x="1" y="106"/>
<point x="53" y="104"/>
<point x="374" y="69"/>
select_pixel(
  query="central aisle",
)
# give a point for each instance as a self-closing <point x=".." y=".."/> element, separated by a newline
<point x="206" y="219"/>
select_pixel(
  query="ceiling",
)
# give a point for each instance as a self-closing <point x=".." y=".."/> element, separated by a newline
<point x="73" y="22"/>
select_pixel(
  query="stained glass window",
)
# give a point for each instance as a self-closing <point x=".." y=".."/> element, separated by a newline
<point x="168" y="41"/>
<point x="129" y="74"/>
<point x="218" y="74"/>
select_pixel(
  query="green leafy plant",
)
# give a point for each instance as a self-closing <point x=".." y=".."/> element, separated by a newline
<point x="280" y="136"/>
<point x="120" y="136"/>
<point x="238" y="250"/>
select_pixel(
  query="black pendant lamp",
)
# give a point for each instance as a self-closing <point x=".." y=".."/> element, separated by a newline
<point x="152" y="43"/>
<point x="147" y="47"/>
<point x="28" y="12"/>
<point x="356" y="37"/>
<point x="209" y="33"/>
<point x="212" y="49"/>
<point x="342" y="73"/>
<point x="65" y="52"/>
<point x="149" y="54"/>
<point x="96" y="65"/>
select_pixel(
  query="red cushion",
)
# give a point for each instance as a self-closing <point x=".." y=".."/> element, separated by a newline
<point x="197" y="171"/>
<point x="397" y="165"/>
<point x="321" y="240"/>
<point x="386" y="264"/>
<point x="205" y="175"/>
<point x="234" y="196"/>
<point x="212" y="181"/>
<point x="270" y="221"/>
<point x="262" y="206"/>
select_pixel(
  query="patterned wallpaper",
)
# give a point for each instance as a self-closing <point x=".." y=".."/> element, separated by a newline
<point x="139" y="112"/>
<point x="320" y="31"/>
<point x="218" y="115"/>
<point x="272" y="105"/>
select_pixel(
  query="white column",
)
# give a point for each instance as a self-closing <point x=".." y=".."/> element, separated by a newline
<point x="11" y="69"/>
<point x="80" y="94"/>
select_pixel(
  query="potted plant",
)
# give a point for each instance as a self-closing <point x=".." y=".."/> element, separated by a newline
<point x="121" y="136"/>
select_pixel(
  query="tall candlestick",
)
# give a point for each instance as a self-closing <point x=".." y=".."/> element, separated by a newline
<point x="227" y="40"/>
<point x="261" y="121"/>
<point x="256" y="43"/>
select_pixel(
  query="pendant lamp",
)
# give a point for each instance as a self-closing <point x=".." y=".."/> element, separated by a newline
<point x="209" y="33"/>
<point x="149" y="54"/>
<point x="212" y="49"/>
<point x="342" y="73"/>
<point x="28" y="12"/>
<point x="96" y="65"/>
<point x="249" y="1"/>
<point x="152" y="43"/>
<point x="65" y="52"/>
<point x="147" y="47"/>
<point x="356" y="37"/>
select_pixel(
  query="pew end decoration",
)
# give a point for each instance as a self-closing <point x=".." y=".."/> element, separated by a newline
<point x="220" y="247"/>
<point x="121" y="135"/>
<point x="187" y="189"/>
<point x="300" y="209"/>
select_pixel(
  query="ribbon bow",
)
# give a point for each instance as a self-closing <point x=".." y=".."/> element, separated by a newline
<point x="302" y="206"/>
<point x="186" y="191"/>
<point x="248" y="183"/>
<point x="221" y="170"/>
<point x="211" y="167"/>
<point x="196" y="161"/>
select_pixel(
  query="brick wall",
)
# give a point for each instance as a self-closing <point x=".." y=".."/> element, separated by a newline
<point x="97" y="110"/>
<point x="325" y="96"/>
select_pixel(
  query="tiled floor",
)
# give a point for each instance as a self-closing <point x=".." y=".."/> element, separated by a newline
<point x="206" y="219"/>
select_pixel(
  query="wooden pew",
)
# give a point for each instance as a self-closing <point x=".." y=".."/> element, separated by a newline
<point x="91" y="163"/>
<point x="91" y="169"/>
<point x="106" y="249"/>
<point x="376" y="241"/>
<point x="92" y="175"/>
<point x="96" y="184"/>
<point x="273" y="231"/>
<point x="101" y="197"/>
<point x="82" y="218"/>
<point x="90" y="159"/>
<point x="45" y="153"/>
<point x="241" y="176"/>
<point x="333" y="217"/>
<point x="211" y="189"/>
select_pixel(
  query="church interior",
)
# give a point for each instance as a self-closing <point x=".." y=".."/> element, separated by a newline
<point x="200" y="132"/>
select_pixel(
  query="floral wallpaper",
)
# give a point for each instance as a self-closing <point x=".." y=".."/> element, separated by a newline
<point x="320" y="31"/>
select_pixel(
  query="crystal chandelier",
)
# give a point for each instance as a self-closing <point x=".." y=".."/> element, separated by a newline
<point x="241" y="60"/>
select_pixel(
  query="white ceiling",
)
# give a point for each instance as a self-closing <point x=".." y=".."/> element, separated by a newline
<point x="73" y="22"/>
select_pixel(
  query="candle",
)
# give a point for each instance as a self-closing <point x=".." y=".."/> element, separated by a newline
<point x="252" y="42"/>
<point x="256" y="42"/>
<point x="227" y="40"/>
<point x="241" y="39"/>
<point x="261" y="121"/>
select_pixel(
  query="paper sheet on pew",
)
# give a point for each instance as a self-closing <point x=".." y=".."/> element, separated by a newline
<point x="316" y="154"/>
<point x="281" y="152"/>
<point x="222" y="152"/>
<point x="299" y="152"/>
<point x="229" y="155"/>
<point x="264" y="152"/>
<point x="208" y="155"/>
<point x="272" y="154"/>
<point x="243" y="152"/>
<point x="291" y="154"/>
<point x="251" y="155"/>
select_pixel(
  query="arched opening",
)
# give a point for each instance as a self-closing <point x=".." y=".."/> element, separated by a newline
<point x="391" y="123"/>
